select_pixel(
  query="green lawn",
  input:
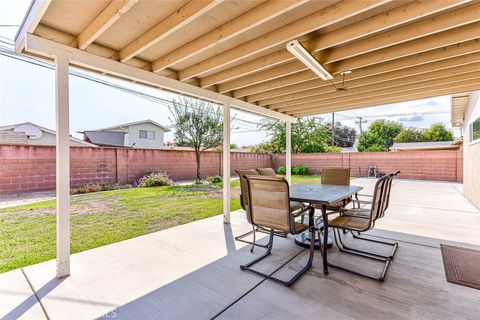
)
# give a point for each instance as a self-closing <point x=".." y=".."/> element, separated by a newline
<point x="27" y="233"/>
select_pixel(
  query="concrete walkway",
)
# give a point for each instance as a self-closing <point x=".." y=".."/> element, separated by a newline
<point x="192" y="272"/>
<point x="25" y="198"/>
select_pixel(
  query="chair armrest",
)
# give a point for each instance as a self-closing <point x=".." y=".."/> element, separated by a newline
<point x="301" y="212"/>
<point x="365" y="195"/>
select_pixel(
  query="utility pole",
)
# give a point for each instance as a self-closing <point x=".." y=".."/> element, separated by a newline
<point x="333" y="129"/>
<point x="360" y="121"/>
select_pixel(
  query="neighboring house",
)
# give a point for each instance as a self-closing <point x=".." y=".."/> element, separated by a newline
<point x="31" y="134"/>
<point x="145" y="134"/>
<point x="419" y="146"/>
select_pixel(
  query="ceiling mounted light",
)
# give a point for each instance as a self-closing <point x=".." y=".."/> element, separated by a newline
<point x="307" y="59"/>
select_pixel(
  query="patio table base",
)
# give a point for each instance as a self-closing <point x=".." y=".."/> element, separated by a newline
<point x="303" y="239"/>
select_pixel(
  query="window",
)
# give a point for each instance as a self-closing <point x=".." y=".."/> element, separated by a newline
<point x="475" y="130"/>
<point x="147" y="134"/>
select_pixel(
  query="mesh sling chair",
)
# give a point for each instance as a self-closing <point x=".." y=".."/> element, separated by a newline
<point x="266" y="172"/>
<point x="337" y="177"/>
<point x="269" y="172"/>
<point x="363" y="212"/>
<point x="244" y="204"/>
<point x="363" y="202"/>
<point x="269" y="207"/>
<point x="349" y="220"/>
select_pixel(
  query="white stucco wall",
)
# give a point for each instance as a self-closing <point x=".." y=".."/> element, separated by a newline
<point x="133" y="136"/>
<point x="471" y="153"/>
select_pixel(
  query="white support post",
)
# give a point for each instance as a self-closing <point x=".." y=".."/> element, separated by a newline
<point x="63" y="166"/>
<point x="288" y="151"/>
<point x="226" y="163"/>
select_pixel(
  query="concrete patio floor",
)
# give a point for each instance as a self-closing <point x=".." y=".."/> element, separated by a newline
<point x="192" y="272"/>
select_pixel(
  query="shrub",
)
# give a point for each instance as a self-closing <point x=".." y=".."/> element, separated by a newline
<point x="96" y="187"/>
<point x="215" y="179"/>
<point x="297" y="170"/>
<point x="154" y="179"/>
<point x="300" y="170"/>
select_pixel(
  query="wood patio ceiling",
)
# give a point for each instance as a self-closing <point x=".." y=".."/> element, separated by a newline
<point x="397" y="50"/>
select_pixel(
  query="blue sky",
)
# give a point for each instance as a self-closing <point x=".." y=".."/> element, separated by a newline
<point x="27" y="94"/>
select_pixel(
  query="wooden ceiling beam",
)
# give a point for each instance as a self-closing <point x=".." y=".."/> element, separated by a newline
<point x="377" y="23"/>
<point x="279" y="90"/>
<point x="175" y="21"/>
<point x="313" y="22"/>
<point x="435" y="69"/>
<point x="411" y="48"/>
<point x="243" y="23"/>
<point x="434" y="41"/>
<point x="439" y="90"/>
<point x="403" y="35"/>
<point x="103" y="21"/>
<point x="389" y="87"/>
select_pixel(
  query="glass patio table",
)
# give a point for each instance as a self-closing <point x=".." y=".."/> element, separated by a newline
<point x="323" y="195"/>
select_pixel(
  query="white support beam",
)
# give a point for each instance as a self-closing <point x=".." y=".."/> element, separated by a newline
<point x="47" y="48"/>
<point x="30" y="22"/>
<point x="62" y="166"/>
<point x="226" y="163"/>
<point x="288" y="151"/>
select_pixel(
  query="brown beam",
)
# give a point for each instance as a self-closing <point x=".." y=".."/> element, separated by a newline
<point x="389" y="19"/>
<point x="452" y="88"/>
<point x="278" y="94"/>
<point x="313" y="22"/>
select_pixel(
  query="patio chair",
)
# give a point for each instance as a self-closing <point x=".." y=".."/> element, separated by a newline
<point x="368" y="201"/>
<point x="351" y="220"/>
<point x="365" y="213"/>
<point x="337" y="177"/>
<point x="269" y="207"/>
<point x="266" y="172"/>
<point x="269" y="172"/>
<point x="244" y="204"/>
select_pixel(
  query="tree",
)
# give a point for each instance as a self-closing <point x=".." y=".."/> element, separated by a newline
<point x="410" y="134"/>
<point x="198" y="125"/>
<point x="309" y="135"/>
<point x="379" y="136"/>
<point x="345" y="136"/>
<point x="438" y="132"/>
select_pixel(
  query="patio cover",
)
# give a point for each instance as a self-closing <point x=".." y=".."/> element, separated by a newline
<point x="234" y="53"/>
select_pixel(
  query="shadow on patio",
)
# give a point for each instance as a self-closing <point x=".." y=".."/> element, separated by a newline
<point x="192" y="271"/>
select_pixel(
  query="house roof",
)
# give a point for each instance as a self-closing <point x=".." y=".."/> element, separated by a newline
<point x="234" y="52"/>
<point x="437" y="145"/>
<point x="459" y="104"/>
<point x="120" y="126"/>
<point x="13" y="126"/>
<point x="106" y="138"/>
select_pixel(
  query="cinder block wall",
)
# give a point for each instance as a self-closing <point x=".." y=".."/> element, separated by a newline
<point x="32" y="168"/>
<point x="426" y="165"/>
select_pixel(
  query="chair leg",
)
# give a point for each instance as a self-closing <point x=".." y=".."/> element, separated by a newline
<point x="344" y="248"/>
<point x="292" y="280"/>
<point x="394" y="244"/>
<point x="339" y="244"/>
<point x="240" y="238"/>
<point x="275" y="233"/>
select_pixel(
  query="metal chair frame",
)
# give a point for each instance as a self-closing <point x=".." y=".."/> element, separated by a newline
<point x="248" y="266"/>
<point x="386" y="204"/>
<point x="381" y="191"/>
<point x="254" y="230"/>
